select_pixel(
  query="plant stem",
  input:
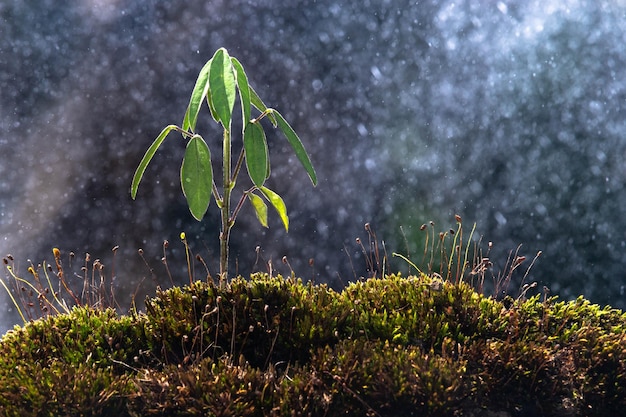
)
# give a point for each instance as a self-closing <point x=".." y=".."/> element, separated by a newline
<point x="238" y="167"/>
<point x="226" y="223"/>
<point x="242" y="200"/>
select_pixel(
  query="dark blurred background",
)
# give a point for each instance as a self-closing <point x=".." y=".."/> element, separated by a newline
<point x="509" y="113"/>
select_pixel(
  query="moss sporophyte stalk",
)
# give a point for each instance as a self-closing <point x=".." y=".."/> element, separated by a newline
<point x="220" y="81"/>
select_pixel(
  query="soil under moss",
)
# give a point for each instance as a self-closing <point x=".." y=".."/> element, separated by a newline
<point x="271" y="346"/>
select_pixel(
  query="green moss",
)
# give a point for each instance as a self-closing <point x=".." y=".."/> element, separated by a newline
<point x="70" y="364"/>
<point x="274" y="346"/>
<point x="265" y="319"/>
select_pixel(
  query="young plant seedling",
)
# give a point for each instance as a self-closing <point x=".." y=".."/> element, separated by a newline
<point x="218" y="83"/>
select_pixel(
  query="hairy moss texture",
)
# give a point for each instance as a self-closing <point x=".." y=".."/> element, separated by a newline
<point x="270" y="346"/>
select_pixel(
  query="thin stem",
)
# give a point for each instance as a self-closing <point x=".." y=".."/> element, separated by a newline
<point x="242" y="200"/>
<point x="216" y="193"/>
<point x="262" y="115"/>
<point x="183" y="132"/>
<point x="238" y="165"/>
<point x="226" y="223"/>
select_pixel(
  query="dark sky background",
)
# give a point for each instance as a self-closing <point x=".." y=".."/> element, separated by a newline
<point x="510" y="114"/>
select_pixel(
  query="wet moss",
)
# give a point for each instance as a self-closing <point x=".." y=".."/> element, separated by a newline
<point x="273" y="346"/>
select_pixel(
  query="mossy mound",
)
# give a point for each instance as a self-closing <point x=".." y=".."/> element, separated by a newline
<point x="272" y="346"/>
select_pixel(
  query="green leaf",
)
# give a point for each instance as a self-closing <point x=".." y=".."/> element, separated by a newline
<point x="147" y="158"/>
<point x="222" y="87"/>
<point x="257" y="158"/>
<point x="244" y="90"/>
<point x="278" y="203"/>
<point x="297" y="146"/>
<point x="196" y="176"/>
<point x="258" y="103"/>
<point x="260" y="208"/>
<point x="197" y="96"/>
<point x="211" y="107"/>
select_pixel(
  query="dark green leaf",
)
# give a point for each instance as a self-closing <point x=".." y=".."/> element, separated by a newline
<point x="147" y="158"/>
<point x="260" y="208"/>
<point x="197" y="96"/>
<point x="222" y="87"/>
<point x="278" y="203"/>
<point x="297" y="146"/>
<point x="244" y="89"/>
<point x="196" y="176"/>
<point x="211" y="107"/>
<point x="255" y="146"/>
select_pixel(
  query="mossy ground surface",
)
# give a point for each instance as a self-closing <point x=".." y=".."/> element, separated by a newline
<point x="270" y="346"/>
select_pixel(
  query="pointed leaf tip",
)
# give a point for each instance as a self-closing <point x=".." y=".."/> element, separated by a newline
<point x="141" y="168"/>
<point x="278" y="203"/>
<point x="296" y="145"/>
<point x="260" y="208"/>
